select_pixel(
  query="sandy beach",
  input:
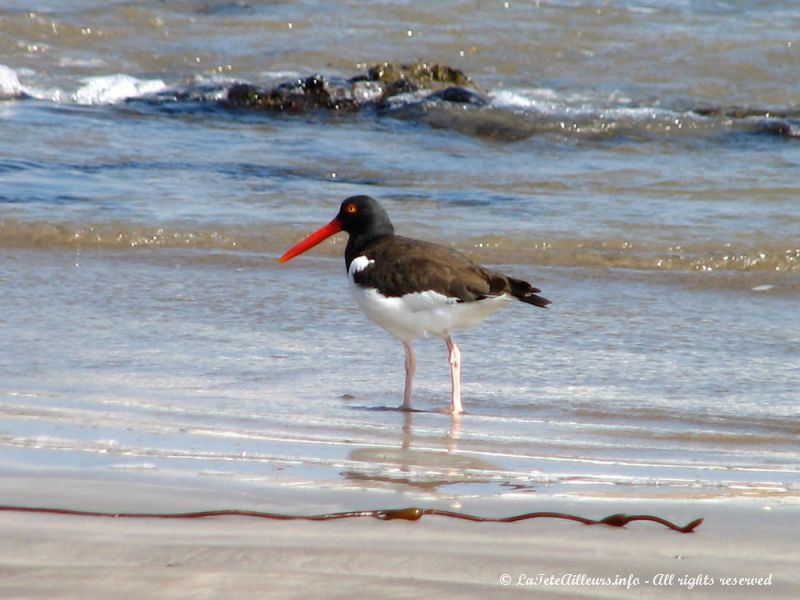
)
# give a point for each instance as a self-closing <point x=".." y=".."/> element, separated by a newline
<point x="49" y="556"/>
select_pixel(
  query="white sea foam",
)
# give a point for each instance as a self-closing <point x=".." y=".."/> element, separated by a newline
<point x="12" y="87"/>
<point x="551" y="102"/>
<point x="110" y="89"/>
<point x="527" y="99"/>
<point x="9" y="83"/>
<point x="509" y="99"/>
<point x="406" y="98"/>
<point x="107" y="89"/>
<point x="546" y="101"/>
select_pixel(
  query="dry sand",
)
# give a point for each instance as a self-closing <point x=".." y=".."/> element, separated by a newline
<point x="48" y="556"/>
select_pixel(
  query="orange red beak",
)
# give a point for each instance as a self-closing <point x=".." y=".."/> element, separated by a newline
<point x="311" y="240"/>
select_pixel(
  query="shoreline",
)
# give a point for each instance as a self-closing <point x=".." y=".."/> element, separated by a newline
<point x="47" y="556"/>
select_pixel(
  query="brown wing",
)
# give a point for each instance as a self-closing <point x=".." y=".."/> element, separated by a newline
<point x="403" y="266"/>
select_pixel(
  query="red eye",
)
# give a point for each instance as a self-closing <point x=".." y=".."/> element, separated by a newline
<point x="351" y="209"/>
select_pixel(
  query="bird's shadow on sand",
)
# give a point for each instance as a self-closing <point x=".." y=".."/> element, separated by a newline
<point x="400" y="409"/>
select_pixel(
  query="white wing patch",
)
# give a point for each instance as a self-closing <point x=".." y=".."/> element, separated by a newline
<point x="359" y="263"/>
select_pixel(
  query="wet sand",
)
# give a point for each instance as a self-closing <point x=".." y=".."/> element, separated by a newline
<point x="47" y="556"/>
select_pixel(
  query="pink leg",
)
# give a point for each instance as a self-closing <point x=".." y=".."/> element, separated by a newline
<point x="455" y="375"/>
<point x="411" y="367"/>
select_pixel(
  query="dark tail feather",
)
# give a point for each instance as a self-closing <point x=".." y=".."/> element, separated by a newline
<point x="525" y="292"/>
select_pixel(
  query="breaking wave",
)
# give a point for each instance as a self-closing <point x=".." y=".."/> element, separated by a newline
<point x="505" y="115"/>
<point x="769" y="257"/>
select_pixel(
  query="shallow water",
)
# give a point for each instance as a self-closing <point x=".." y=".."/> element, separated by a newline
<point x="148" y="330"/>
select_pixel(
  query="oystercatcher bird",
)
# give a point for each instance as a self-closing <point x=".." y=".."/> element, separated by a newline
<point x="413" y="288"/>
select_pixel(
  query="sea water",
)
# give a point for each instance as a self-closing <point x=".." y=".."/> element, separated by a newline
<point x="148" y="334"/>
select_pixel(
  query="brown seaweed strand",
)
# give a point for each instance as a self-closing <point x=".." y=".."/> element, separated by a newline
<point x="408" y="514"/>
